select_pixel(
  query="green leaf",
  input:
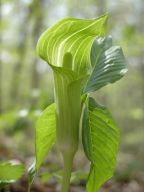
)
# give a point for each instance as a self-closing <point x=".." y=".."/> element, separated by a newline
<point x="100" y="141"/>
<point x="108" y="64"/>
<point x="45" y="134"/>
<point x="45" y="138"/>
<point x="71" y="35"/>
<point x="10" y="172"/>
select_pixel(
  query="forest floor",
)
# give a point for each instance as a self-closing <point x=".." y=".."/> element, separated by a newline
<point x="128" y="179"/>
<point x="111" y="186"/>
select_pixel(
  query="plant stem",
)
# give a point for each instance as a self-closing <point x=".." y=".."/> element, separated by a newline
<point x="68" y="161"/>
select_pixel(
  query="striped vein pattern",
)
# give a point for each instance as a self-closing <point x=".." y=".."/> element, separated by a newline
<point x="71" y="35"/>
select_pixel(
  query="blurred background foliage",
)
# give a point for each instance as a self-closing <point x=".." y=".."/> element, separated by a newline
<point x="26" y="83"/>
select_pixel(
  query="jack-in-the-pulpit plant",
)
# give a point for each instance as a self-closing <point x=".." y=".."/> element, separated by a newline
<point x="83" y="59"/>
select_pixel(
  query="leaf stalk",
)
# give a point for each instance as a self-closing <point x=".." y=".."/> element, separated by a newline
<point x="68" y="161"/>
